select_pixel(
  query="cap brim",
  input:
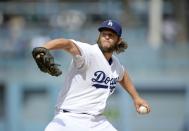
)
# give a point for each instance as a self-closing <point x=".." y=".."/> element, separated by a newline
<point x="108" y="28"/>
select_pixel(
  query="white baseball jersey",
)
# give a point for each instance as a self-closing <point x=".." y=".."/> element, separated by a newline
<point x="90" y="81"/>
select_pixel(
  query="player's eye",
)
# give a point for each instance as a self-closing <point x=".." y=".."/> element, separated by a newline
<point x="107" y="34"/>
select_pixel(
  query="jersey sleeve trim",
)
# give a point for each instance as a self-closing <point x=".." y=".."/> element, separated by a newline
<point x="80" y="61"/>
<point x="120" y="68"/>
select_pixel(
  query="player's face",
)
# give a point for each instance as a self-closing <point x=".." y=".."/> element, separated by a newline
<point x="108" y="41"/>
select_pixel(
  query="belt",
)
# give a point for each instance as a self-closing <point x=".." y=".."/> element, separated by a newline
<point x="66" y="111"/>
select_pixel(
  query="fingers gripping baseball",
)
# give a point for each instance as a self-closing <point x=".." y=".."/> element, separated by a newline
<point x="142" y="106"/>
<point x="45" y="61"/>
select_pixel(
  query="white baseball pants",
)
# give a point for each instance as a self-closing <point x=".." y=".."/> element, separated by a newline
<point x="79" y="122"/>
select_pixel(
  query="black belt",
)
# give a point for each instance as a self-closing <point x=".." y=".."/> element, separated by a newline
<point x="66" y="111"/>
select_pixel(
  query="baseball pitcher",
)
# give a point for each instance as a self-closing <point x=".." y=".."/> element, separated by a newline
<point x="92" y="77"/>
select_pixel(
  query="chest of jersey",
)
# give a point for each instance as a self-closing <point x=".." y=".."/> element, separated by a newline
<point x="101" y="74"/>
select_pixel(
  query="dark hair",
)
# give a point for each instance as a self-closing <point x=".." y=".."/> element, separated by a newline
<point x="121" y="47"/>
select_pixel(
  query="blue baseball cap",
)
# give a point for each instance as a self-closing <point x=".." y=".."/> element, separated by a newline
<point x="112" y="25"/>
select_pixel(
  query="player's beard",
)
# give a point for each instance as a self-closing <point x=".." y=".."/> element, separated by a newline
<point x="110" y="49"/>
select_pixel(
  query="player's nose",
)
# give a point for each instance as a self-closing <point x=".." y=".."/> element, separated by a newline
<point x="107" y="37"/>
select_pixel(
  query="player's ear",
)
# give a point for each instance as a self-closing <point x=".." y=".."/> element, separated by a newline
<point x="120" y="40"/>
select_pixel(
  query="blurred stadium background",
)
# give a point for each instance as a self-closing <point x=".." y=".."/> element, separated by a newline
<point x="157" y="59"/>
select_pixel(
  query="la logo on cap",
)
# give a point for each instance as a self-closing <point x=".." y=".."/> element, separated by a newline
<point x="110" y="23"/>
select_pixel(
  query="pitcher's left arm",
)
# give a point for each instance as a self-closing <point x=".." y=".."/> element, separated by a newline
<point x="130" y="88"/>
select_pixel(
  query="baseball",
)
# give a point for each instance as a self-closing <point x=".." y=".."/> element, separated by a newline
<point x="143" y="110"/>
